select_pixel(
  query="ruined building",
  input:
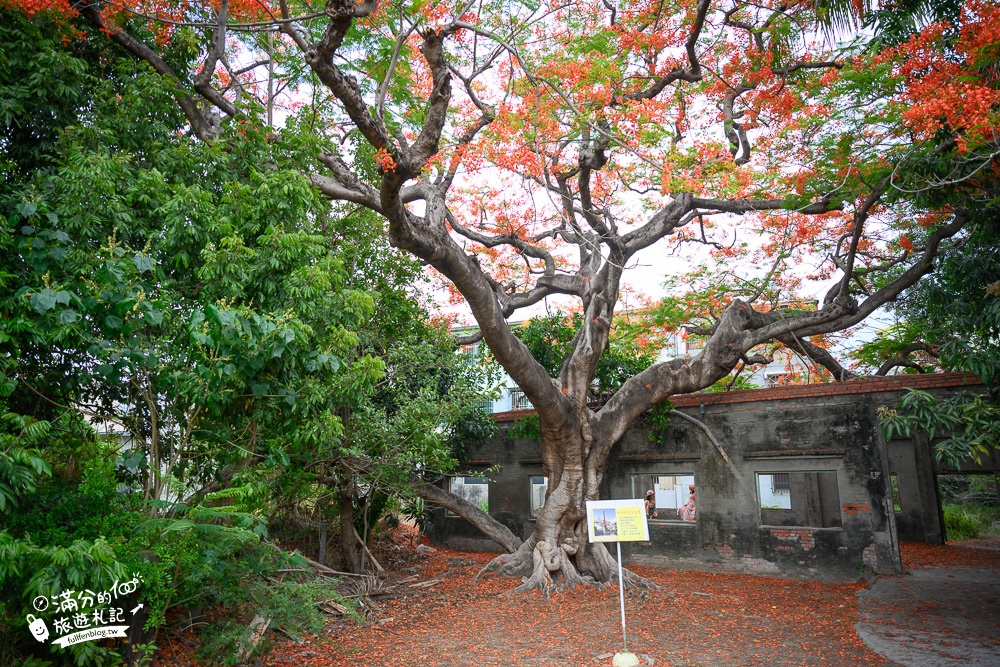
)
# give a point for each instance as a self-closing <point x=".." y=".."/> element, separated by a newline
<point x="802" y="482"/>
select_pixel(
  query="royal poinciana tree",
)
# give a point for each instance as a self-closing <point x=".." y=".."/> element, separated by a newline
<point x="529" y="151"/>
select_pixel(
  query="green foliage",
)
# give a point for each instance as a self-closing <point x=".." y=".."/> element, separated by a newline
<point x="969" y="489"/>
<point x="895" y="341"/>
<point x="28" y="570"/>
<point x="970" y="522"/>
<point x="957" y="309"/>
<point x="20" y="465"/>
<point x="959" y="525"/>
<point x="551" y="339"/>
<point x="968" y="423"/>
<point x="291" y="606"/>
<point x="41" y="86"/>
<point x="730" y="383"/>
<point x="894" y="22"/>
<point x="249" y="347"/>
<point x="529" y="428"/>
<point x="658" y="420"/>
<point x="953" y="315"/>
<point x="205" y="554"/>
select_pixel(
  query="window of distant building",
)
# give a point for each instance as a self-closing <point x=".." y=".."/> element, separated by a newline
<point x="692" y="342"/>
<point x="775" y="491"/>
<point x="778" y="379"/>
<point x="518" y="401"/>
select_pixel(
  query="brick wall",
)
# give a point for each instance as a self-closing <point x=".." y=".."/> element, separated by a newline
<point x="792" y="538"/>
<point x="859" y="386"/>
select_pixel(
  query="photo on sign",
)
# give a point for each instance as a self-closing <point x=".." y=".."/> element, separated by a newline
<point x="606" y="523"/>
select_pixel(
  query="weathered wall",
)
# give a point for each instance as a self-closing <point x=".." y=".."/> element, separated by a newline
<point x="919" y="518"/>
<point x="800" y="430"/>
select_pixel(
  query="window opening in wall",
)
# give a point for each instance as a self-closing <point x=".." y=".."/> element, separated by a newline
<point x="518" y="401"/>
<point x="694" y="344"/>
<point x="672" y="495"/>
<point x="475" y="490"/>
<point x="897" y="506"/>
<point x="538" y="485"/>
<point x="969" y="504"/>
<point x="809" y="499"/>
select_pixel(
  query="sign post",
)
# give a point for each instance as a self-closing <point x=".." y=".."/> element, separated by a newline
<point x="618" y="521"/>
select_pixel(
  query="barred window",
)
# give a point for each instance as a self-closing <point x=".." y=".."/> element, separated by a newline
<point x="780" y="483"/>
<point x="518" y="401"/>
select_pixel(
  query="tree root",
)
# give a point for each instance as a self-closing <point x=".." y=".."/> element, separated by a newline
<point x="546" y="568"/>
<point x="607" y="564"/>
<point x="517" y="564"/>
<point x="641" y="584"/>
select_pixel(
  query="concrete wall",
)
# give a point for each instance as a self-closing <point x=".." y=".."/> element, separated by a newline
<point x="798" y="436"/>
<point x="825" y="437"/>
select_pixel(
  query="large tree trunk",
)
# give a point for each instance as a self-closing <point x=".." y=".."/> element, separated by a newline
<point x="350" y="546"/>
<point x="559" y="551"/>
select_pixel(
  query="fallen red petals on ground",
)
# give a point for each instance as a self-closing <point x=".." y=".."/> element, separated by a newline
<point x="918" y="554"/>
<point x="695" y="619"/>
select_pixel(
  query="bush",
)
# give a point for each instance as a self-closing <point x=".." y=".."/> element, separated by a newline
<point x="291" y="607"/>
<point x="87" y="531"/>
<point x="969" y="522"/>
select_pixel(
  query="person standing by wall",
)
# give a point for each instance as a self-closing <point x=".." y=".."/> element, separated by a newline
<point x="650" y="504"/>
<point x="687" y="511"/>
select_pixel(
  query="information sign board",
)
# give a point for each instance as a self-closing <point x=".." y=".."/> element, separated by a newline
<point x="617" y="521"/>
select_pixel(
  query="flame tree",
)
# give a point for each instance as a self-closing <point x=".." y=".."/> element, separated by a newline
<point x="531" y="150"/>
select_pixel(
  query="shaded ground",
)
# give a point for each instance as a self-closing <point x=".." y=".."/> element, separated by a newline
<point x="945" y="612"/>
<point x="696" y="619"/>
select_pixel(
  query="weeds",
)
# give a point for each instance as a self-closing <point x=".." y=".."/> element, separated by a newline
<point x="969" y="522"/>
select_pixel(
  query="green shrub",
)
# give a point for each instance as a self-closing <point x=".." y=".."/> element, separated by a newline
<point x="86" y="531"/>
<point x="290" y="606"/>
<point x="960" y="525"/>
<point x="969" y="522"/>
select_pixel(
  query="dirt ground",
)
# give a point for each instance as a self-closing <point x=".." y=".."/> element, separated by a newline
<point x="442" y="618"/>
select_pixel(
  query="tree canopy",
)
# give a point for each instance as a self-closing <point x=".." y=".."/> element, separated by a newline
<point x="197" y="355"/>
<point x="530" y="151"/>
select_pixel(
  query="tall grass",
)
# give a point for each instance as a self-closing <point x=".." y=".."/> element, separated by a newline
<point x="969" y="522"/>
